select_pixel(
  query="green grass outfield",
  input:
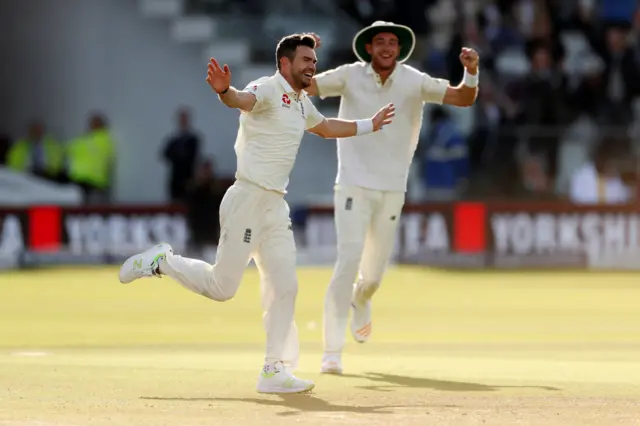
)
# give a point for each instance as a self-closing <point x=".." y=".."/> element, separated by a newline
<point x="77" y="348"/>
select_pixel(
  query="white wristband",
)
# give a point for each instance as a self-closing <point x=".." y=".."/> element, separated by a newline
<point x="470" y="80"/>
<point x="364" y="126"/>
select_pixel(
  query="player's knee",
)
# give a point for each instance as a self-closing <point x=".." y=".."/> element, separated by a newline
<point x="222" y="296"/>
<point x="223" y="288"/>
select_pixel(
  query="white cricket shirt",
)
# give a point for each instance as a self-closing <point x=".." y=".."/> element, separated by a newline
<point x="269" y="136"/>
<point x="380" y="160"/>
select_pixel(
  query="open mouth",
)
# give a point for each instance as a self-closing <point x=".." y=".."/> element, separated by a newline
<point x="386" y="56"/>
<point x="308" y="74"/>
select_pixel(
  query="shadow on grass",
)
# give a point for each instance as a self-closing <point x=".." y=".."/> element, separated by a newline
<point x="308" y="402"/>
<point x="298" y="403"/>
<point x="389" y="381"/>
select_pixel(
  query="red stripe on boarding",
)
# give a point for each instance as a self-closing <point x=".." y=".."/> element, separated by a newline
<point x="45" y="228"/>
<point x="469" y="227"/>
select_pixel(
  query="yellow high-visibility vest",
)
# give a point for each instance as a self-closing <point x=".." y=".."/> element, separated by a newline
<point x="90" y="158"/>
<point x="19" y="156"/>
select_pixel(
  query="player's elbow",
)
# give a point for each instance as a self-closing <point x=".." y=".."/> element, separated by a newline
<point x="321" y="133"/>
<point x="460" y="96"/>
<point x="323" y="130"/>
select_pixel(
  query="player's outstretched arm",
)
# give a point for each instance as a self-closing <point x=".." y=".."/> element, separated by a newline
<point x="219" y="79"/>
<point x="464" y="94"/>
<point x="331" y="128"/>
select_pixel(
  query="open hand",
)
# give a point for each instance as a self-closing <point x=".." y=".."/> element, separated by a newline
<point x="383" y="117"/>
<point x="218" y="78"/>
<point x="469" y="59"/>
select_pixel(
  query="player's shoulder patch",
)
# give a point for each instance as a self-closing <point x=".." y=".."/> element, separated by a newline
<point x="255" y="85"/>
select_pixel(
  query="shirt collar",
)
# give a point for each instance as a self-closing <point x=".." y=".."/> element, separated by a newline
<point x="286" y="86"/>
<point x="370" y="71"/>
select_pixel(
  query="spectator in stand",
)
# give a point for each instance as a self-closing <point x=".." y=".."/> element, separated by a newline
<point x="544" y="105"/>
<point x="203" y="195"/>
<point x="413" y="15"/>
<point x="37" y="153"/>
<point x="491" y="138"/>
<point x="181" y="153"/>
<point x="612" y="42"/>
<point x="90" y="160"/>
<point x="444" y="158"/>
<point x="598" y="181"/>
<point x="534" y="178"/>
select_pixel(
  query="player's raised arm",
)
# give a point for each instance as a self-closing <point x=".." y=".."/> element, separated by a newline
<point x="331" y="128"/>
<point x="464" y="95"/>
<point x="219" y="79"/>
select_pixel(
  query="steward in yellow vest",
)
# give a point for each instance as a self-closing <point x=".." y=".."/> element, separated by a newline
<point x="91" y="157"/>
<point x="37" y="153"/>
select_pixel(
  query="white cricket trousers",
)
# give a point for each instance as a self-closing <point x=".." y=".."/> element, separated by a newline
<point x="254" y="223"/>
<point x="366" y="222"/>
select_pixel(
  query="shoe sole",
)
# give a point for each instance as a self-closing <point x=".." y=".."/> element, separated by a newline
<point x="331" y="371"/>
<point x="287" y="390"/>
<point x="358" y="340"/>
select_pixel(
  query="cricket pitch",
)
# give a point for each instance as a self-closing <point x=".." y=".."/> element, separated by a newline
<point x="77" y="348"/>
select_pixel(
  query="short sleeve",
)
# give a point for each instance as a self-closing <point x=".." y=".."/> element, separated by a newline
<point x="433" y="89"/>
<point x="332" y="82"/>
<point x="313" y="117"/>
<point x="262" y="93"/>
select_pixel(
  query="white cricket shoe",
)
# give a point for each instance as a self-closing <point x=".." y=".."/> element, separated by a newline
<point x="275" y="378"/>
<point x="331" y="364"/>
<point x="361" y="319"/>
<point x="144" y="264"/>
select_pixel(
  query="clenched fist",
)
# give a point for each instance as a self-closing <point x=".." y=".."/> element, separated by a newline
<point x="469" y="59"/>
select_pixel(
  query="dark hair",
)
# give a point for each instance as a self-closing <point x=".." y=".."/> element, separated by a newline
<point x="288" y="45"/>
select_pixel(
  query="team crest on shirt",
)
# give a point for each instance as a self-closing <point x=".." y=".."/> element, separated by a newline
<point x="286" y="102"/>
